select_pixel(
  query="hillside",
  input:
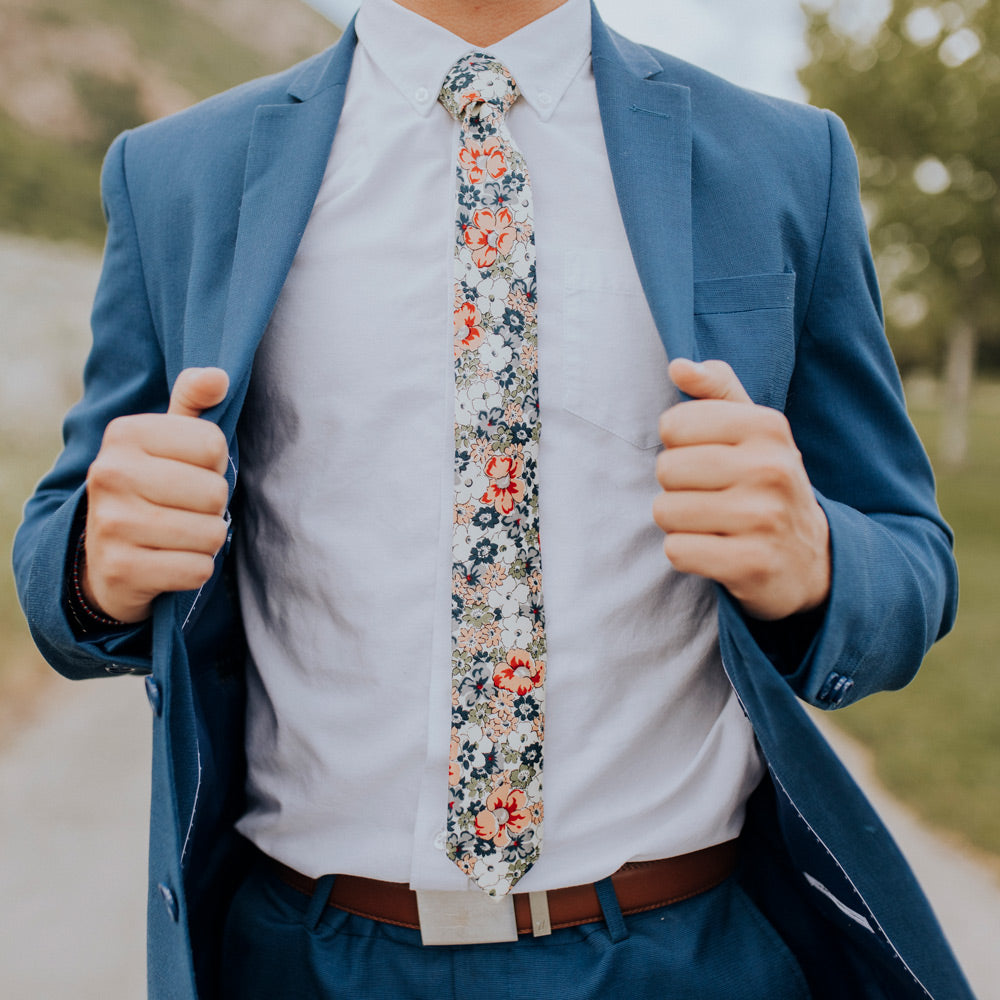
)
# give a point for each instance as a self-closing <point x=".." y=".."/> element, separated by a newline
<point x="74" y="73"/>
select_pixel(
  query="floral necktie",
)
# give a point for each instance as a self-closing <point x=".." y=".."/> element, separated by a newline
<point x="494" y="829"/>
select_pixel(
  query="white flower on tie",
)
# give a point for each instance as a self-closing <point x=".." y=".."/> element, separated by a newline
<point x="488" y="873"/>
<point x="522" y="736"/>
<point x="492" y="295"/>
<point x="473" y="399"/>
<point x="509" y="602"/>
<point x="494" y="353"/>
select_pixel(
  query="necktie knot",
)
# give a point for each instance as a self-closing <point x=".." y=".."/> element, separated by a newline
<point x="478" y="86"/>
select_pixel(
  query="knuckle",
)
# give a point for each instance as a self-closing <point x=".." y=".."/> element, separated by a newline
<point x="662" y="511"/>
<point x="218" y="450"/>
<point x="119" y="430"/>
<point x="663" y="467"/>
<point x="664" y="425"/>
<point x="763" y="569"/>
<point x="719" y="369"/>
<point x="774" y="422"/>
<point x="776" y="470"/>
<point x="202" y="567"/>
<point x="218" y="495"/>
<point x="109" y="521"/>
<point x="106" y="473"/>
<point x="219" y="535"/>
<point x="116" y="567"/>
<point x="213" y="440"/>
<point x="764" y="513"/>
<point x="677" y="552"/>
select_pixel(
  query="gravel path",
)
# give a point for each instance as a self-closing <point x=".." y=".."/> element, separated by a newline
<point x="74" y="783"/>
<point x="75" y="793"/>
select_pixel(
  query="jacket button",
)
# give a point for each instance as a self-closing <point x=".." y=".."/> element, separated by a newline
<point x="169" y="900"/>
<point x="835" y="689"/>
<point x="154" y="694"/>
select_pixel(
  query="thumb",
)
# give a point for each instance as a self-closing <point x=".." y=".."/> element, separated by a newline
<point x="197" y="389"/>
<point x="708" y="380"/>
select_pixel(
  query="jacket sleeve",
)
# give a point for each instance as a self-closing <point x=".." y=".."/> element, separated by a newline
<point x="124" y="374"/>
<point x="894" y="584"/>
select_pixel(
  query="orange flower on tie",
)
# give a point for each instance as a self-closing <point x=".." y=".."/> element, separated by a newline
<point x="481" y="158"/>
<point x="490" y="235"/>
<point x="506" y="488"/>
<point x="454" y="768"/>
<point x="504" y="815"/>
<point x="468" y="332"/>
<point x="520" y="673"/>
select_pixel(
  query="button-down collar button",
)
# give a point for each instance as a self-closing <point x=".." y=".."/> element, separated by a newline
<point x="155" y="695"/>
<point x="544" y="98"/>
<point x="169" y="900"/>
<point x="422" y="94"/>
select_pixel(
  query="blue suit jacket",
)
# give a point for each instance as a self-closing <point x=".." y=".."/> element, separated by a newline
<point x="745" y="226"/>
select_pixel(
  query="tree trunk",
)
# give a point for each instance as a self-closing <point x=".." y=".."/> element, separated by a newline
<point x="959" y="372"/>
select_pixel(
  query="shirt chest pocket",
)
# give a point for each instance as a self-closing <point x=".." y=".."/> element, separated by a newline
<point x="613" y="366"/>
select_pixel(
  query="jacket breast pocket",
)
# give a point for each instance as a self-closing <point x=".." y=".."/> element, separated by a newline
<point x="612" y="366"/>
<point x="749" y="321"/>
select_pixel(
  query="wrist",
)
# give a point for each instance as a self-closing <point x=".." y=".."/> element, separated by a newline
<point x="86" y="612"/>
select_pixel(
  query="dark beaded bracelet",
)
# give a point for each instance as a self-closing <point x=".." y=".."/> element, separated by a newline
<point x="78" y="603"/>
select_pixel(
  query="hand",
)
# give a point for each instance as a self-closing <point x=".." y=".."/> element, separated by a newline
<point x="737" y="506"/>
<point x="156" y="496"/>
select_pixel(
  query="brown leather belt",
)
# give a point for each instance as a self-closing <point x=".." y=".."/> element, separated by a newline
<point x="639" y="886"/>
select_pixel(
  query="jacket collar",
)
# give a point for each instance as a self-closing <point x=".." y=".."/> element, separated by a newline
<point x="647" y="129"/>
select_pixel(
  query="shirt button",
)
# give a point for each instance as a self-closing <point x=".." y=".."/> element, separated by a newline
<point x="421" y="94"/>
<point x="441" y="840"/>
<point x="544" y="98"/>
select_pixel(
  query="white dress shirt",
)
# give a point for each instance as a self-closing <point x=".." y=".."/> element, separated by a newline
<point x="344" y="552"/>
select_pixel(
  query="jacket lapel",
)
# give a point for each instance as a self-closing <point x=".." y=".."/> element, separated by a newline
<point x="647" y="131"/>
<point x="287" y="156"/>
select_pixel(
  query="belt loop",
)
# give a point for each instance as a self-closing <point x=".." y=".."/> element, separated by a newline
<point x="608" y="899"/>
<point x="318" y="901"/>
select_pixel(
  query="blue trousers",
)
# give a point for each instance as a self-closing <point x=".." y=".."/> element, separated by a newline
<point x="280" y="943"/>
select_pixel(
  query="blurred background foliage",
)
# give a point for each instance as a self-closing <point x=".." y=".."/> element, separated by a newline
<point x="75" y="73"/>
<point x="918" y="83"/>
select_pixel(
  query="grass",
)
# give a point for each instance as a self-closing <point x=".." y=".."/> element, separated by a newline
<point x="936" y="743"/>
<point x="48" y="188"/>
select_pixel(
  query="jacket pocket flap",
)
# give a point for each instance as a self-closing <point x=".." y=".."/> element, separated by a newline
<point x="746" y="293"/>
<point x="750" y="322"/>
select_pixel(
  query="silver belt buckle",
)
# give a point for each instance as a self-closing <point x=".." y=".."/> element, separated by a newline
<point x="469" y="917"/>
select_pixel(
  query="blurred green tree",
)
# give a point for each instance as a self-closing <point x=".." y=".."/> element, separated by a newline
<point x="918" y="83"/>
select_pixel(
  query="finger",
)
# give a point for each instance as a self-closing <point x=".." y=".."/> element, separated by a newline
<point x="713" y="421"/>
<point x="707" y="380"/>
<point x="163" y="570"/>
<point x="162" y="436"/>
<point x="706" y="421"/>
<point x="139" y="524"/>
<point x="196" y="390"/>
<point x="699" y="467"/>
<point x="723" y="558"/>
<point x="724" y="512"/>
<point x="184" y="486"/>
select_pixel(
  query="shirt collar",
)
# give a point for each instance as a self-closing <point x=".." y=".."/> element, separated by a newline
<point x="416" y="54"/>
